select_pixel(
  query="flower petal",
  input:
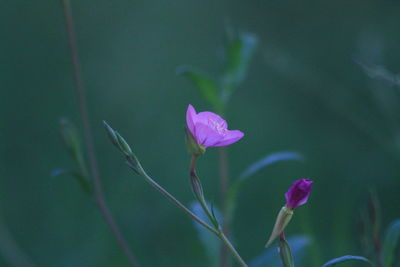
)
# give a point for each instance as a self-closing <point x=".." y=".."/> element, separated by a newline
<point x="206" y="136"/>
<point x="190" y="118"/>
<point x="298" y="193"/>
<point x="230" y="138"/>
<point x="205" y="116"/>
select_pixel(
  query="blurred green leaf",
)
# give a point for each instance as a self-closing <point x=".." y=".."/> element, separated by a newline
<point x="379" y="72"/>
<point x="84" y="181"/>
<point x="392" y="240"/>
<point x="207" y="88"/>
<point x="344" y="259"/>
<point x="268" y="160"/>
<point x="239" y="52"/>
<point x="210" y="241"/>
<point x="270" y="257"/>
<point x="71" y="139"/>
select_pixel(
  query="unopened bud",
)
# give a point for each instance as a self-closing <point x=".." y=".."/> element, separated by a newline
<point x="123" y="145"/>
<point x="111" y="134"/>
<point x="196" y="187"/>
<point x="298" y="193"/>
<point x="285" y="253"/>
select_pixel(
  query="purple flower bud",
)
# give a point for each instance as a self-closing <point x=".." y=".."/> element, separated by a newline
<point x="298" y="193"/>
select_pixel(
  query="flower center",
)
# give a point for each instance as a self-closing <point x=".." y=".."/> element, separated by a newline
<point x="219" y="127"/>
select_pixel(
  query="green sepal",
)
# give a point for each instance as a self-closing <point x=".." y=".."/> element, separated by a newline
<point x="285" y="253"/>
<point x="284" y="217"/>
<point x="193" y="147"/>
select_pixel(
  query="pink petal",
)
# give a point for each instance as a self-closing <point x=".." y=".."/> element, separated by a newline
<point x="230" y="138"/>
<point x="205" y="116"/>
<point x="206" y="136"/>
<point x="190" y="118"/>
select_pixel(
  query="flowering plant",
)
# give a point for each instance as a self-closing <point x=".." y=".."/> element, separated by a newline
<point x="204" y="129"/>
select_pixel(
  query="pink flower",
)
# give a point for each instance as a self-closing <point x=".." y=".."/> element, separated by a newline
<point x="209" y="129"/>
<point x="298" y="193"/>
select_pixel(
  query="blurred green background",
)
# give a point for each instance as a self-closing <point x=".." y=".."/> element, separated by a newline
<point x="304" y="92"/>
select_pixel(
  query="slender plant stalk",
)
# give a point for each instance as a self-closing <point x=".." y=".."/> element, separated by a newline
<point x="80" y="93"/>
<point x="135" y="165"/>
<point x="282" y="236"/>
<point x="217" y="232"/>
<point x="224" y="187"/>
<point x="172" y="198"/>
<point x="232" y="249"/>
<point x="220" y="233"/>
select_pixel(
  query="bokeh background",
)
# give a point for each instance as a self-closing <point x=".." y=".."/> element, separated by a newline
<point x="304" y="92"/>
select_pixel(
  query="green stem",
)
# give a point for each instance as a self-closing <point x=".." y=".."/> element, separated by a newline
<point x="219" y="232"/>
<point x="172" y="198"/>
<point x="228" y="244"/>
<point x="81" y="95"/>
<point x="224" y="185"/>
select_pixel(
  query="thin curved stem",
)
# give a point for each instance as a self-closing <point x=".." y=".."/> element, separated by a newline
<point x="232" y="249"/>
<point x="224" y="185"/>
<point x="220" y="233"/>
<point x="173" y="199"/>
<point x="137" y="168"/>
<point x="80" y="93"/>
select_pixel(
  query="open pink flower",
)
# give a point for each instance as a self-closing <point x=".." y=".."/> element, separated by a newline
<point x="209" y="129"/>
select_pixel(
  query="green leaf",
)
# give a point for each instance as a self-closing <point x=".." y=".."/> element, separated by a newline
<point x="268" y="160"/>
<point x="392" y="240"/>
<point x="72" y="142"/>
<point x="83" y="180"/>
<point x="207" y="88"/>
<point x="270" y="257"/>
<point x="210" y="241"/>
<point x="239" y="52"/>
<point x="346" y="258"/>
